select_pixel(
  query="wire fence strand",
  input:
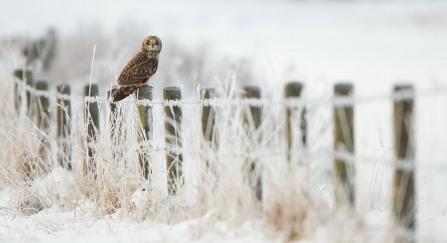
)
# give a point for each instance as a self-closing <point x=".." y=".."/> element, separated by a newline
<point x="222" y="102"/>
<point x="288" y="103"/>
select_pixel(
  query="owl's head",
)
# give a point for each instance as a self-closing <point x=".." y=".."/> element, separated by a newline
<point x="151" y="43"/>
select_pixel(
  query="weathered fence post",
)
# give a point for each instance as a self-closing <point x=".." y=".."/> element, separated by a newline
<point x="293" y="91"/>
<point x="252" y="120"/>
<point x="208" y="117"/>
<point x="145" y="113"/>
<point x="173" y="122"/>
<point x="344" y="143"/>
<point x="63" y="126"/>
<point x="115" y="125"/>
<point x="43" y="117"/>
<point x="209" y="141"/>
<point x="92" y="121"/>
<point x="26" y="77"/>
<point x="112" y="117"/>
<point x="404" y="197"/>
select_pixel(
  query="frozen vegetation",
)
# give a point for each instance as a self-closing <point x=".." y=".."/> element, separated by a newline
<point x="226" y="45"/>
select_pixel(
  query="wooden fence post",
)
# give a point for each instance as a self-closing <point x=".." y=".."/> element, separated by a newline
<point x="209" y="140"/>
<point x="145" y="113"/>
<point x="293" y="91"/>
<point x="26" y="76"/>
<point x="252" y="120"/>
<point x="208" y="117"/>
<point x="114" y="126"/>
<point x="43" y="117"/>
<point x="92" y="121"/>
<point x="173" y="123"/>
<point x="344" y="142"/>
<point x="63" y="126"/>
<point x="404" y="197"/>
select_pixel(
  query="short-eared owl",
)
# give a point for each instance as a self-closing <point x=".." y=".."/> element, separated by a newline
<point x="140" y="68"/>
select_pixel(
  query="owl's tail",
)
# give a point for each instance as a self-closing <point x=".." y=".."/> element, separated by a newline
<point x="123" y="92"/>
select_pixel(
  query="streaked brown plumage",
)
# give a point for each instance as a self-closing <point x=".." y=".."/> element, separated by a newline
<point x="140" y="68"/>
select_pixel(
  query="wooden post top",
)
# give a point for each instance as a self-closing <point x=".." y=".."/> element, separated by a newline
<point x="92" y="89"/>
<point x="172" y="93"/>
<point x="64" y="88"/>
<point x="252" y="91"/>
<point x="343" y="88"/>
<point x="208" y="93"/>
<point x="293" y="89"/>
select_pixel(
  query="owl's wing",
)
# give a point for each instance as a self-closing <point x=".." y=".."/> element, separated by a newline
<point x="138" y="70"/>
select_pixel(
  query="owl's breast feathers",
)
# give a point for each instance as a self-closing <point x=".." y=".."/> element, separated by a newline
<point x="138" y="70"/>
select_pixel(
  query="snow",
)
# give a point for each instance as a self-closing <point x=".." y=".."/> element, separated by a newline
<point x="373" y="44"/>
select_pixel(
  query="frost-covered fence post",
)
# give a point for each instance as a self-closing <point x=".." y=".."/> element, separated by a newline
<point x="26" y="78"/>
<point x="63" y="113"/>
<point x="145" y="135"/>
<point x="344" y="145"/>
<point x="404" y="197"/>
<point x="173" y="123"/>
<point x="43" y="117"/>
<point x="209" y="141"/>
<point x="293" y="91"/>
<point x="208" y="117"/>
<point x="114" y="127"/>
<point x="252" y="121"/>
<point x="92" y="121"/>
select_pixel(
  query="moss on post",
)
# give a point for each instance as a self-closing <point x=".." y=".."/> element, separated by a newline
<point x="173" y="124"/>
<point x="344" y="142"/>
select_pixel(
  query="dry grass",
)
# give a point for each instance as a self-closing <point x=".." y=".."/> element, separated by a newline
<point x="216" y="189"/>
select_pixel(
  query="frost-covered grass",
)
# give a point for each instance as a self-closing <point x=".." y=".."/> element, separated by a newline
<point x="213" y="201"/>
<point x="217" y="204"/>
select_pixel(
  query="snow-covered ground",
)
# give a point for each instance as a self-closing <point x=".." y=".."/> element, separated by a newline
<point x="372" y="44"/>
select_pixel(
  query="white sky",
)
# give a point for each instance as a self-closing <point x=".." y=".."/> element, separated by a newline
<point x="387" y="41"/>
<point x="372" y="44"/>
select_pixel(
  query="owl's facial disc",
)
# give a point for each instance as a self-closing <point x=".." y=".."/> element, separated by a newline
<point x="152" y="43"/>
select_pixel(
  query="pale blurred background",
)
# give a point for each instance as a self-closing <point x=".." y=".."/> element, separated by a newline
<point x="374" y="44"/>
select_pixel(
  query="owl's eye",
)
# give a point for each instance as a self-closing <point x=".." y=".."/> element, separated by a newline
<point x="156" y="42"/>
<point x="148" y="42"/>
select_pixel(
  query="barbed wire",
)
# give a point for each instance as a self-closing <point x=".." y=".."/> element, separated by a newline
<point x="303" y="155"/>
<point x="289" y="103"/>
<point x="344" y="101"/>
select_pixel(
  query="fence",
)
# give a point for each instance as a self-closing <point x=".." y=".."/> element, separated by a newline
<point x="343" y="117"/>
